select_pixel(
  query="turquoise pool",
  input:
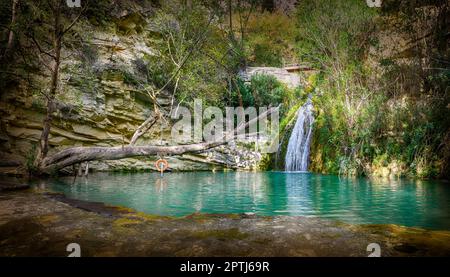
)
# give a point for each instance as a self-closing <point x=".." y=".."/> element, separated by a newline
<point x="410" y="203"/>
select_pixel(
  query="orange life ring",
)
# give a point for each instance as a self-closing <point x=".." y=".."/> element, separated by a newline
<point x="164" y="163"/>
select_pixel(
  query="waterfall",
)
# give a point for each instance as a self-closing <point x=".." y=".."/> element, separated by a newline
<point x="297" y="154"/>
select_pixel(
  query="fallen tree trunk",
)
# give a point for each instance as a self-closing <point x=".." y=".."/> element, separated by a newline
<point x="76" y="155"/>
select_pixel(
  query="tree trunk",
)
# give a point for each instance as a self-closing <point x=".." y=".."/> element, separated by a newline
<point x="57" y="43"/>
<point x="75" y="155"/>
<point x="10" y="44"/>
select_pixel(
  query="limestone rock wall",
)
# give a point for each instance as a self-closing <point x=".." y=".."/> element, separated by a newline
<point x="101" y="102"/>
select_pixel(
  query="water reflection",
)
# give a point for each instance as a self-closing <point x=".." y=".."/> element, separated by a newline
<point x="160" y="185"/>
<point x="357" y="200"/>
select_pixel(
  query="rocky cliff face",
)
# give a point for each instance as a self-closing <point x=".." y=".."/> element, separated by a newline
<point x="102" y="100"/>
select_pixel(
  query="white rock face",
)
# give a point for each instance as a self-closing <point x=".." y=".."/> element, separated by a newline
<point x="292" y="80"/>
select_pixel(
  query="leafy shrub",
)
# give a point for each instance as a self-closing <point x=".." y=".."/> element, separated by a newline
<point x="30" y="159"/>
<point x="270" y="39"/>
<point x="266" y="90"/>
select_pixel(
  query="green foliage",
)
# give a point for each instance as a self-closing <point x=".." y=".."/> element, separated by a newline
<point x="30" y="159"/>
<point x="367" y="123"/>
<point x="188" y="46"/>
<point x="334" y="32"/>
<point x="262" y="91"/>
<point x="270" y="39"/>
<point x="265" y="55"/>
<point x="266" y="90"/>
<point x="246" y="94"/>
<point x="290" y="116"/>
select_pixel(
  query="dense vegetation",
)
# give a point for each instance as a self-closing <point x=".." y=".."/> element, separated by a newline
<point x="377" y="114"/>
<point x="378" y="111"/>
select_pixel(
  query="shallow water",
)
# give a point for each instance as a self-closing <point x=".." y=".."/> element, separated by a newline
<point x="405" y="202"/>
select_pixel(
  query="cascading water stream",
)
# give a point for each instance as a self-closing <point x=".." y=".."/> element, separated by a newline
<point x="297" y="155"/>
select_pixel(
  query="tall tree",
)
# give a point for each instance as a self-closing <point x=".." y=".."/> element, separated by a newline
<point x="46" y="30"/>
<point x="184" y="32"/>
<point x="12" y="27"/>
